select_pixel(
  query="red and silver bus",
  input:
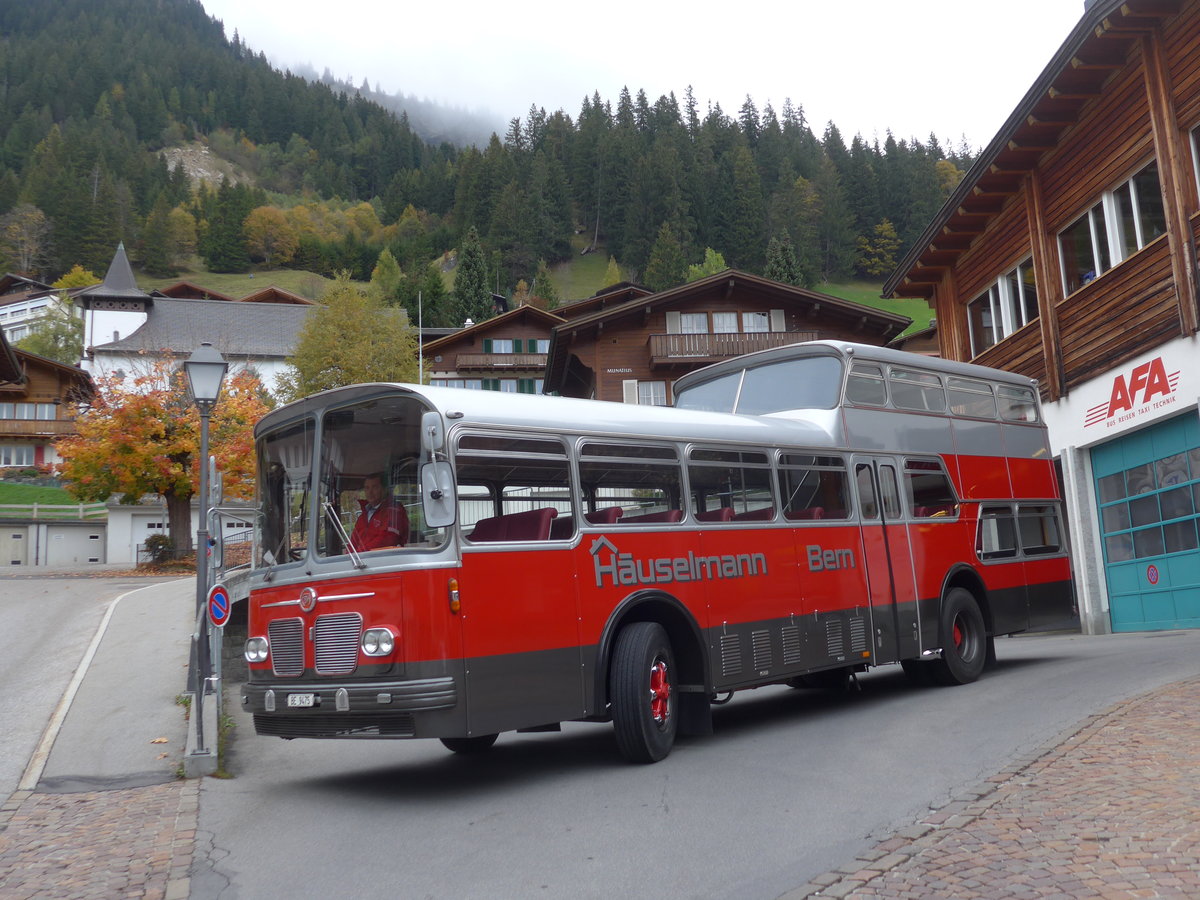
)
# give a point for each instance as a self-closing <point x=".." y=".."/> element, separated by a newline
<point x="800" y="515"/>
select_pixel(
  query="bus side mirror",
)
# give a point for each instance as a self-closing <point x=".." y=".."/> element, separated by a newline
<point x="433" y="435"/>
<point x="437" y="494"/>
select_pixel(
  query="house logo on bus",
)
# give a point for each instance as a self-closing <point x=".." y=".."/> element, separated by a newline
<point x="625" y="569"/>
<point x="1148" y="387"/>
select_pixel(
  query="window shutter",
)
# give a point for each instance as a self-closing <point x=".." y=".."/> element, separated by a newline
<point x="778" y="320"/>
<point x="674" y="326"/>
<point x="487" y="345"/>
<point x="629" y="389"/>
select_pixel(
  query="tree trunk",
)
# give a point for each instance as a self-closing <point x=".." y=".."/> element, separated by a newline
<point x="179" y="517"/>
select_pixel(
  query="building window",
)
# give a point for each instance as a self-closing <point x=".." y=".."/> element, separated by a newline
<point x="1007" y="305"/>
<point x="725" y="323"/>
<point x="645" y="393"/>
<point x="540" y="346"/>
<point x="498" y="345"/>
<point x="1123" y="222"/>
<point x="754" y="322"/>
<point x="693" y="323"/>
<point x="16" y="455"/>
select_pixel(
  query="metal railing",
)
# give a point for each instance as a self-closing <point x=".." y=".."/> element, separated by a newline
<point x="53" y="510"/>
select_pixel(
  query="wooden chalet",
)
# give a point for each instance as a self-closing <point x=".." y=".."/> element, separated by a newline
<point x="1068" y="254"/>
<point x="188" y="290"/>
<point x="37" y="398"/>
<point x="632" y="350"/>
<point x="504" y="353"/>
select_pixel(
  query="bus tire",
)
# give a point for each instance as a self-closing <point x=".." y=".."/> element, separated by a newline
<point x="964" y="640"/>
<point x="641" y="687"/>
<point x="470" y="745"/>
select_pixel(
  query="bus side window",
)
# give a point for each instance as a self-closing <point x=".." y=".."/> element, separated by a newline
<point x="865" y="385"/>
<point x="1017" y="404"/>
<point x="814" y="487"/>
<point x="510" y="489"/>
<point x="728" y="485"/>
<point x="921" y="391"/>
<point x="930" y="493"/>
<point x="643" y="481"/>
<point x="969" y="397"/>
<point x="997" y="537"/>
<point x="1038" y="527"/>
<point x="868" y="504"/>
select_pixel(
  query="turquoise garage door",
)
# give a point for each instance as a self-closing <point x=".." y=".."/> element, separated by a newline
<point x="1148" y="488"/>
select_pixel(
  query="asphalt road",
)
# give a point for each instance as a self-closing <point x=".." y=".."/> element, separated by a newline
<point x="46" y="625"/>
<point x="792" y="784"/>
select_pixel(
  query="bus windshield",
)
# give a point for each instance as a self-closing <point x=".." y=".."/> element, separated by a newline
<point x="813" y="382"/>
<point x="366" y="492"/>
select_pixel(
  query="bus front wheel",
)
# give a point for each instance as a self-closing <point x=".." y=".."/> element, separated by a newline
<point x="964" y="639"/>
<point x="643" y="692"/>
<point x="468" y="745"/>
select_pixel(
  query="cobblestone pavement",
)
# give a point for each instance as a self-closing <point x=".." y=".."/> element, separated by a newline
<point x="96" y="845"/>
<point x="1108" y="810"/>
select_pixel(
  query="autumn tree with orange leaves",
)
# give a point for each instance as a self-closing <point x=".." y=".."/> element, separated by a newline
<point x="141" y="435"/>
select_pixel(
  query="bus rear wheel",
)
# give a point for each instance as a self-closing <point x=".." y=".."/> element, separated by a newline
<point x="642" y="690"/>
<point x="964" y="640"/>
<point x="469" y="745"/>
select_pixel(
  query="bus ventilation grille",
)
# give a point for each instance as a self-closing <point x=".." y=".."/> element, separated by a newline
<point x="791" y="645"/>
<point x="760" y="645"/>
<point x="335" y="642"/>
<point x="835" y="644"/>
<point x="858" y="636"/>
<point x="731" y="655"/>
<point x="286" y="638"/>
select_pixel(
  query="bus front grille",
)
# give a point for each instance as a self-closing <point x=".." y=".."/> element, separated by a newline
<point x="286" y="637"/>
<point x="335" y="643"/>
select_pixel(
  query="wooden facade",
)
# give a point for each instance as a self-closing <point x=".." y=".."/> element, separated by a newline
<point x="506" y="352"/>
<point x="637" y="347"/>
<point x="37" y="405"/>
<point x="1122" y="92"/>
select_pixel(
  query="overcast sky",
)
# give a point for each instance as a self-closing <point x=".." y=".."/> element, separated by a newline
<point x="952" y="67"/>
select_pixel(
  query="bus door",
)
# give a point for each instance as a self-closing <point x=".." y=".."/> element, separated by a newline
<point x="887" y="558"/>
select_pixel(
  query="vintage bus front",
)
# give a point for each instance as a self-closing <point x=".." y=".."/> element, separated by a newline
<point x="352" y="616"/>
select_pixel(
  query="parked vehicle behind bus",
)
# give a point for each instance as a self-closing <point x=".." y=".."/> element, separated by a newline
<point x="803" y="514"/>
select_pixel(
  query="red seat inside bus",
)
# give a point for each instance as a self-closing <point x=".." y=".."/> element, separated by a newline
<point x="666" y="515"/>
<point x="564" y="527"/>
<point x="532" y="525"/>
<point x="930" y="512"/>
<point x="766" y="514"/>
<point x="724" y="514"/>
<point x="813" y="512"/>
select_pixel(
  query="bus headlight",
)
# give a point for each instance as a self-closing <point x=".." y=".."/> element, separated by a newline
<point x="256" y="649"/>
<point x="378" y="642"/>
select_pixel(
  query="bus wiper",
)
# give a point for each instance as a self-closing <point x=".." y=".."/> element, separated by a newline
<point x="341" y="533"/>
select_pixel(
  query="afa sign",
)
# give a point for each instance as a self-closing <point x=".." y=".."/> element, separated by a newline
<point x="1144" y="388"/>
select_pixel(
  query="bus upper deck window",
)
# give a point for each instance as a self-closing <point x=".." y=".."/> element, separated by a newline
<point x="866" y="386"/>
<point x="1017" y="404"/>
<point x="717" y="395"/>
<point x="969" y="397"/>
<point x="916" y="390"/>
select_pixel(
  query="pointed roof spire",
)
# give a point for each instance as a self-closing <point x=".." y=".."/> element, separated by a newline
<point x="119" y="282"/>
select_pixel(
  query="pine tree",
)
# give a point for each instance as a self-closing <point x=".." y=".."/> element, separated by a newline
<point x="386" y="278"/>
<point x="877" y="254"/>
<point x="472" y="295"/>
<point x="713" y="263"/>
<point x="667" y="266"/>
<point x="612" y="274"/>
<point x="781" y="261"/>
<point x="157" y="258"/>
<point x="544" y="292"/>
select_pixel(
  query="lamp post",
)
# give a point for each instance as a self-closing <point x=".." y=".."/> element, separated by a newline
<point x="205" y="370"/>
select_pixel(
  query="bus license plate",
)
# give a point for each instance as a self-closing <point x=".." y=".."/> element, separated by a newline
<point x="302" y="699"/>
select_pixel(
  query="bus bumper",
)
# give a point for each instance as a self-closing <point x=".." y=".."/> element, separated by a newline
<point x="348" y="709"/>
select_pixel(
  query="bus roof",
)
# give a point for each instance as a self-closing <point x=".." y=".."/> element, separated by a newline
<point x="847" y="350"/>
<point x="539" y="412"/>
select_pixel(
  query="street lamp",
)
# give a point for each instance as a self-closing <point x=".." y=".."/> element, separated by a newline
<point x="205" y="370"/>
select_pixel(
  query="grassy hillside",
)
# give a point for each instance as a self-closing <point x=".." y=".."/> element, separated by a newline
<point x="25" y="494"/>
<point x="237" y="285"/>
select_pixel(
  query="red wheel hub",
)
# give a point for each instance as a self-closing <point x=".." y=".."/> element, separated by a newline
<point x="660" y="692"/>
<point x="958" y="634"/>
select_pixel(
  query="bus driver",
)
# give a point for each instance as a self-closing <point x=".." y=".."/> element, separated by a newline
<point x="382" y="522"/>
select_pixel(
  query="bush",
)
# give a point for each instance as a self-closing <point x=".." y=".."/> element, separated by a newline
<point x="159" y="548"/>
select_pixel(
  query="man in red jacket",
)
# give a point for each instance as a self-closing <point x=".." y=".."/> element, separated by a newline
<point x="381" y="523"/>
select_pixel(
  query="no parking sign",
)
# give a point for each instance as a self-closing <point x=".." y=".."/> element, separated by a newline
<point x="218" y="605"/>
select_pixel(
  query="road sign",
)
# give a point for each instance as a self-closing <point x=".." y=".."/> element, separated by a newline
<point x="219" y="605"/>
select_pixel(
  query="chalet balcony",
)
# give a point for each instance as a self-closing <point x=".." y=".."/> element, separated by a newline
<point x="491" y="362"/>
<point x="36" y="428"/>
<point x="691" y="349"/>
